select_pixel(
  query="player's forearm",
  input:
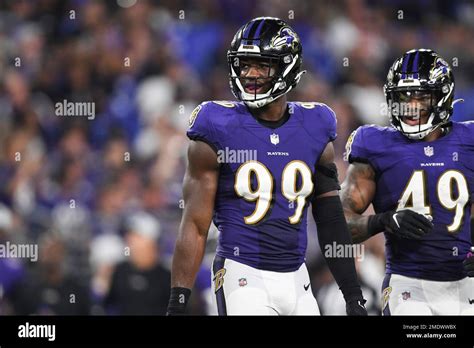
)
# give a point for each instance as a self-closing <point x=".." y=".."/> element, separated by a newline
<point x="188" y="255"/>
<point x="358" y="226"/>
<point x="358" y="191"/>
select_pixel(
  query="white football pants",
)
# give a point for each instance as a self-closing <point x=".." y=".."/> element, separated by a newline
<point x="410" y="296"/>
<point x="243" y="290"/>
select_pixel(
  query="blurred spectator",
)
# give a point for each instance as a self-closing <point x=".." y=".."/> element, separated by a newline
<point x="47" y="289"/>
<point x="140" y="285"/>
<point x="106" y="252"/>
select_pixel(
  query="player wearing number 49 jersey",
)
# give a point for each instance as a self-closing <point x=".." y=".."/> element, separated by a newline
<point x="254" y="167"/>
<point x="419" y="175"/>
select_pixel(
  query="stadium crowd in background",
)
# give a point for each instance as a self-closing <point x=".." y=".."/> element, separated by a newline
<point x="92" y="190"/>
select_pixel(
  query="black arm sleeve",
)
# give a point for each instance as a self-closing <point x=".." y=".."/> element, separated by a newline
<point x="332" y="228"/>
<point x="325" y="179"/>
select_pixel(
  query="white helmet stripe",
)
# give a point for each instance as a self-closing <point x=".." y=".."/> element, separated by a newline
<point x="440" y="103"/>
<point x="418" y="132"/>
<point x="289" y="67"/>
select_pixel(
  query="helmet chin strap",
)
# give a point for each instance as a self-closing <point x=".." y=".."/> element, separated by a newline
<point x="251" y="96"/>
<point x="264" y="99"/>
<point x="255" y="104"/>
<point x="261" y="103"/>
<point x="418" y="132"/>
<point x="255" y="101"/>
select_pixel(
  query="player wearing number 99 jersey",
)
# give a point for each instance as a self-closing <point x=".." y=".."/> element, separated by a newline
<point x="419" y="175"/>
<point x="254" y="167"/>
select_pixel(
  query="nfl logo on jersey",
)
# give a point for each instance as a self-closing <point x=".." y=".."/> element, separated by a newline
<point x="429" y="151"/>
<point x="274" y="138"/>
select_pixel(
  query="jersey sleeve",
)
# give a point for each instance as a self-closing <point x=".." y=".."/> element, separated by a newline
<point x="469" y="132"/>
<point x="356" y="147"/>
<point x="201" y="127"/>
<point x="329" y="121"/>
<point x="468" y="141"/>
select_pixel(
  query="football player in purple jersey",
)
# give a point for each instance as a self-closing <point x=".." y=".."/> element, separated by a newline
<point x="254" y="167"/>
<point x="419" y="176"/>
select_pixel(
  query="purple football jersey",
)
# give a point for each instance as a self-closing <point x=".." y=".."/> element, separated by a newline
<point x="265" y="179"/>
<point x="433" y="178"/>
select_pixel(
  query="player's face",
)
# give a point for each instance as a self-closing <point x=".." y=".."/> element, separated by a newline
<point x="416" y="106"/>
<point x="256" y="74"/>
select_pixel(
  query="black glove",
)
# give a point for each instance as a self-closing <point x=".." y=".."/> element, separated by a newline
<point x="356" y="307"/>
<point x="469" y="263"/>
<point x="178" y="299"/>
<point x="403" y="223"/>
